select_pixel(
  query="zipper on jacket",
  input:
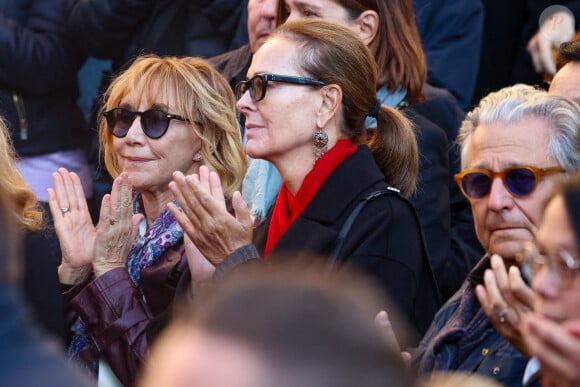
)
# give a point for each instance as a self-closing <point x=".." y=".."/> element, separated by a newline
<point x="19" y="102"/>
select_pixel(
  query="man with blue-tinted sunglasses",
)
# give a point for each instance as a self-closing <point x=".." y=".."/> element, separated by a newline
<point x="515" y="146"/>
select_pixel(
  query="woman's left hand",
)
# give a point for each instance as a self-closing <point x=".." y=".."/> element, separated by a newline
<point x="205" y="218"/>
<point x="504" y="298"/>
<point x="117" y="227"/>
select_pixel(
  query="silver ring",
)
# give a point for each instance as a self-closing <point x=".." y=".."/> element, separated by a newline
<point x="501" y="315"/>
<point x="112" y="221"/>
<point x="64" y="210"/>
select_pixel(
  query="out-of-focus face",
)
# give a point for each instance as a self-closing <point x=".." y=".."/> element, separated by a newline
<point x="187" y="357"/>
<point x="318" y="9"/>
<point x="566" y="82"/>
<point x="552" y="299"/>
<point x="504" y="222"/>
<point x="279" y="128"/>
<point x="151" y="162"/>
<point x="261" y="23"/>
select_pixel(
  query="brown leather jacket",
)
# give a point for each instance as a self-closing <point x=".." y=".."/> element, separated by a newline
<point x="121" y="320"/>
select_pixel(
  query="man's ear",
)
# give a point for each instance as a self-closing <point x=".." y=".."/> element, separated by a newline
<point x="367" y="26"/>
<point x="330" y="103"/>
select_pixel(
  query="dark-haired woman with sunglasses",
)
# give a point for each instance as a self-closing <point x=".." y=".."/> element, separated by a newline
<point x="310" y="88"/>
<point x="160" y="116"/>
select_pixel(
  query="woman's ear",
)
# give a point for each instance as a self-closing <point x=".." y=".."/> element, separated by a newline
<point x="367" y="25"/>
<point x="330" y="104"/>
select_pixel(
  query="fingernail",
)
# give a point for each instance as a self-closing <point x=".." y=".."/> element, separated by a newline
<point x="382" y="318"/>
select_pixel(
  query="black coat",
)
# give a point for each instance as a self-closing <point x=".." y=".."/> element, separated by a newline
<point x="451" y="37"/>
<point x="385" y="240"/>
<point x="121" y="29"/>
<point x="38" y="69"/>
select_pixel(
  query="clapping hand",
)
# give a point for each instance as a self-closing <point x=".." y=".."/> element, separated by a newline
<point x="117" y="227"/>
<point x="205" y="218"/>
<point x="504" y="298"/>
<point x="73" y="225"/>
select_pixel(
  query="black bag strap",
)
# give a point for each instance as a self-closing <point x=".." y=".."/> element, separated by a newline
<point x="333" y="257"/>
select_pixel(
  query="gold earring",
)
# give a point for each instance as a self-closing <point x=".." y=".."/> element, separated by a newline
<point x="320" y="141"/>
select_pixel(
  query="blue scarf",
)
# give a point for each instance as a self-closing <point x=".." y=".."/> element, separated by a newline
<point x="389" y="99"/>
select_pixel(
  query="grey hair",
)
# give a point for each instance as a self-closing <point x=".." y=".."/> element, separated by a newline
<point x="516" y="103"/>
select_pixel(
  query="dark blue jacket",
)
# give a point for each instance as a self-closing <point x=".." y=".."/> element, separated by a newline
<point x="451" y="33"/>
<point x="38" y="84"/>
<point x="461" y="338"/>
<point x="27" y="358"/>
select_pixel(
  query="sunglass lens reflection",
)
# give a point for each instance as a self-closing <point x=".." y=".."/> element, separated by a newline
<point x="154" y="123"/>
<point x="520" y="181"/>
<point x="119" y="121"/>
<point x="476" y="184"/>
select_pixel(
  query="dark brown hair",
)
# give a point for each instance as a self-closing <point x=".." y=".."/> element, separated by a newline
<point x="335" y="55"/>
<point x="397" y="46"/>
<point x="568" y="52"/>
<point x="311" y="328"/>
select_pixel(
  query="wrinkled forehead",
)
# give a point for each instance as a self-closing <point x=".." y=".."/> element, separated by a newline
<point x="524" y="141"/>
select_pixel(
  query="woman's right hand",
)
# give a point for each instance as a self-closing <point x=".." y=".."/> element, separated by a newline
<point x="204" y="217"/>
<point x="73" y="225"/>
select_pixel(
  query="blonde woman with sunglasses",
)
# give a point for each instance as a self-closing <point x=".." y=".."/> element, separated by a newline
<point x="160" y="116"/>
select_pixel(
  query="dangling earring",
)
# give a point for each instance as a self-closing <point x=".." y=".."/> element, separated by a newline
<point x="320" y="141"/>
<point x="197" y="157"/>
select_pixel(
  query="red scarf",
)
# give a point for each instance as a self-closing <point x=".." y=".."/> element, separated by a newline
<point x="288" y="206"/>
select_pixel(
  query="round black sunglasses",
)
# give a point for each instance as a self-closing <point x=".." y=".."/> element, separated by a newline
<point x="153" y="121"/>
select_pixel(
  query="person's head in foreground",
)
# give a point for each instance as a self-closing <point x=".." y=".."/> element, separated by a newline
<point x="515" y="146"/>
<point x="284" y="327"/>
<point x="552" y="331"/>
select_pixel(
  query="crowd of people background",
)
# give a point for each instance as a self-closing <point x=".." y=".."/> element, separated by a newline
<point x="295" y="193"/>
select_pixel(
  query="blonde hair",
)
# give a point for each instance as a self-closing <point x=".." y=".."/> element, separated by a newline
<point x="203" y="97"/>
<point x="20" y="200"/>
